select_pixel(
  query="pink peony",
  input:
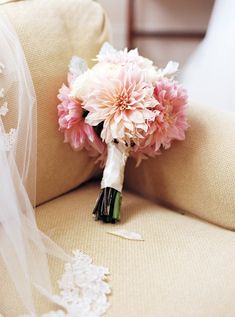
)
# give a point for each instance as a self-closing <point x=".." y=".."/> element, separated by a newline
<point x="76" y="131"/>
<point x="169" y="124"/>
<point x="123" y="102"/>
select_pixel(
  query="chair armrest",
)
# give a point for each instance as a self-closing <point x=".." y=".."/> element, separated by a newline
<point x="198" y="175"/>
<point x="51" y="32"/>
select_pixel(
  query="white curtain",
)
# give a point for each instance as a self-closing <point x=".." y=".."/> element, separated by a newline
<point x="209" y="74"/>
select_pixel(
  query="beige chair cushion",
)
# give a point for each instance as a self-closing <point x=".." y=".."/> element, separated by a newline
<point x="197" y="175"/>
<point x="185" y="266"/>
<point x="51" y="32"/>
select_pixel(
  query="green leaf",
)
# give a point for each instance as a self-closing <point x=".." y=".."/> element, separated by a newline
<point x="117" y="206"/>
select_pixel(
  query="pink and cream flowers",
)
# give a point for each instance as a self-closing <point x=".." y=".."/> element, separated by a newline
<point x="78" y="133"/>
<point x="123" y="103"/>
<point x="123" y="106"/>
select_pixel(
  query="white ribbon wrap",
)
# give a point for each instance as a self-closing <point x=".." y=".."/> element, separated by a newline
<point x="113" y="175"/>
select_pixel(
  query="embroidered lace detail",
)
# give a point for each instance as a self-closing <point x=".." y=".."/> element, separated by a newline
<point x="4" y="107"/>
<point x="1" y="96"/>
<point x="6" y="139"/>
<point x="83" y="289"/>
<point x="2" y="67"/>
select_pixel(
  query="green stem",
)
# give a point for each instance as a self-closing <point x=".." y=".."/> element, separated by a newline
<point x="108" y="205"/>
<point x="117" y="206"/>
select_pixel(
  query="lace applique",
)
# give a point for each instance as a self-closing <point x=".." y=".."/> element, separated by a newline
<point x="1" y="96"/>
<point x="83" y="289"/>
<point x="2" y="67"/>
<point x="6" y="139"/>
<point x="4" y="107"/>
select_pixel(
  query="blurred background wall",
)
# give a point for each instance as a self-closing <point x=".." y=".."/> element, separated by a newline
<point x="175" y="26"/>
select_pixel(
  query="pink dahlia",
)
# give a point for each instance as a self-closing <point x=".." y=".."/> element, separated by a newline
<point x="169" y="124"/>
<point x="109" y="55"/>
<point x="76" y="131"/>
<point x="123" y="103"/>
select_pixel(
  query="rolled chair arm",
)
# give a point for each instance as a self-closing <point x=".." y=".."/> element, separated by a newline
<point x="197" y="175"/>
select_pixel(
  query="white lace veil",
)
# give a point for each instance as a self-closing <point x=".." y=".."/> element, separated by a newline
<point x="23" y="248"/>
<point x="209" y="74"/>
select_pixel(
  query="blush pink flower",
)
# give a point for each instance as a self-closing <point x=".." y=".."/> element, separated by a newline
<point x="109" y="55"/>
<point x="77" y="132"/>
<point x="123" y="103"/>
<point x="170" y="123"/>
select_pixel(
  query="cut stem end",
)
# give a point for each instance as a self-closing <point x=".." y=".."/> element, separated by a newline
<point x="108" y="205"/>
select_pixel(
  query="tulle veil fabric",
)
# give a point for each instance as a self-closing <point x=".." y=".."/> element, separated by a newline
<point x="23" y="248"/>
<point x="209" y="74"/>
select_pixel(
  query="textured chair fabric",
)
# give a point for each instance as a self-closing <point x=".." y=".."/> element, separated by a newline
<point x="184" y="266"/>
<point x="197" y="175"/>
<point x="51" y="32"/>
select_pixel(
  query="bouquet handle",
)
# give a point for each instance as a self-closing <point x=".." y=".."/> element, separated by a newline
<point x="108" y="204"/>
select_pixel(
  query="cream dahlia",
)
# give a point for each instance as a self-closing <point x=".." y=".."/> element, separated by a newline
<point x="123" y="103"/>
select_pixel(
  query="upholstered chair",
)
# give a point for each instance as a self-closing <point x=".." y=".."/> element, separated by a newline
<point x="182" y="202"/>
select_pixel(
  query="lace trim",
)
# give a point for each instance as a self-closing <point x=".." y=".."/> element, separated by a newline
<point x="6" y="139"/>
<point x="83" y="289"/>
<point x="2" y="67"/>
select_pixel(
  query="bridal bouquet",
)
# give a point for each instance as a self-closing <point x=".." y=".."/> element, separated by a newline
<point x="123" y="106"/>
